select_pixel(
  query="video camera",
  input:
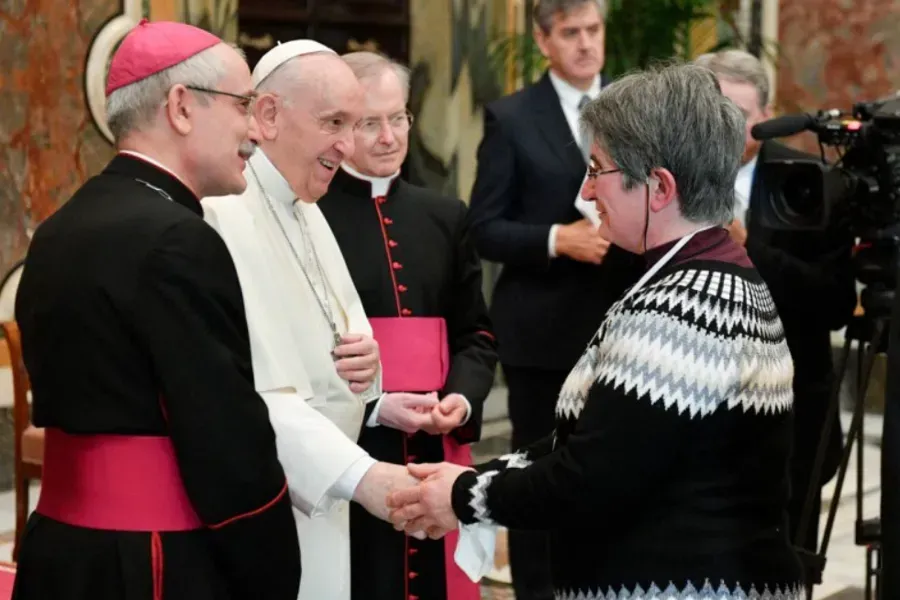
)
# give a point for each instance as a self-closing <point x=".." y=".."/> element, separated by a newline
<point x="860" y="192"/>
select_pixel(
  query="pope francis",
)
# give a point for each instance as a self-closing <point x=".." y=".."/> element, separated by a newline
<point x="314" y="361"/>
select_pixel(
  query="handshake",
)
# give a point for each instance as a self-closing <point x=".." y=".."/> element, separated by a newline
<point x="415" y="498"/>
<point x="413" y="412"/>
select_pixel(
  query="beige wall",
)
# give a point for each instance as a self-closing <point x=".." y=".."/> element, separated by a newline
<point x="220" y="12"/>
<point x="450" y="118"/>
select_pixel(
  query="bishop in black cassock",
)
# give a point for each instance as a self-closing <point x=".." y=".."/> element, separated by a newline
<point x="160" y="477"/>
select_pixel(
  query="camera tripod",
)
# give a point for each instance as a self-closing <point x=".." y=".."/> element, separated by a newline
<point x="871" y="334"/>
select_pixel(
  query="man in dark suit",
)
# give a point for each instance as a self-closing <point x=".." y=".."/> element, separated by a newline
<point x="559" y="275"/>
<point x="809" y="273"/>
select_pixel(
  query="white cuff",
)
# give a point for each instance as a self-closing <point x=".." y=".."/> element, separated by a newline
<point x="551" y="241"/>
<point x="373" y="418"/>
<point x="468" y="410"/>
<point x="345" y="486"/>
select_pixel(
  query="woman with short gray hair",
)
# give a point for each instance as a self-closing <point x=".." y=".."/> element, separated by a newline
<point x="666" y="477"/>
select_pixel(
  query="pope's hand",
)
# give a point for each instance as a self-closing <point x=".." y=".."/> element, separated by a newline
<point x="407" y="412"/>
<point x="357" y="361"/>
<point x="447" y="415"/>
<point x="379" y="481"/>
<point x="427" y="506"/>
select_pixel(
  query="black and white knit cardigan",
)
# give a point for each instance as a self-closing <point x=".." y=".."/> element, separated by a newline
<point x="666" y="476"/>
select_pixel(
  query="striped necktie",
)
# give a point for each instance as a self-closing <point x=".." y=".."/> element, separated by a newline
<point x="585" y="138"/>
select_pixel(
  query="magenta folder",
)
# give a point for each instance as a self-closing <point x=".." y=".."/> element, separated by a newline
<point x="415" y="356"/>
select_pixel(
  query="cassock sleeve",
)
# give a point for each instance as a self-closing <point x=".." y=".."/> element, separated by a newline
<point x="189" y="311"/>
<point x="473" y="348"/>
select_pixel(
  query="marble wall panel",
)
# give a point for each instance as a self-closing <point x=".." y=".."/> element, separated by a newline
<point x="48" y="142"/>
<point x="834" y="53"/>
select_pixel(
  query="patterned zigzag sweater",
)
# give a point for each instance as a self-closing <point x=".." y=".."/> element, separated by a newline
<point x="666" y="477"/>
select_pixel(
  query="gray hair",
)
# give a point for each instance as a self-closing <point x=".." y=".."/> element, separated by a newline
<point x="135" y="106"/>
<point x="740" y="67"/>
<point x="673" y="117"/>
<point x="545" y="10"/>
<point x="366" y="65"/>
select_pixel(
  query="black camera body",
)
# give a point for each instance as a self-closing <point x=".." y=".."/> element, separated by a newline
<point x="859" y="193"/>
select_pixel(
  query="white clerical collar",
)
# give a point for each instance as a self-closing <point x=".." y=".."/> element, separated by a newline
<point x="156" y="164"/>
<point x="569" y="95"/>
<point x="271" y="179"/>
<point x="380" y="185"/>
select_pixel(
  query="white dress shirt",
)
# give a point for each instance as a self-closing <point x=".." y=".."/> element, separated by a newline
<point x="743" y="185"/>
<point x="569" y="98"/>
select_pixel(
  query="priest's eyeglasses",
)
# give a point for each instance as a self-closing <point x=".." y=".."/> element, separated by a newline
<point x="246" y="102"/>
<point x="399" y="123"/>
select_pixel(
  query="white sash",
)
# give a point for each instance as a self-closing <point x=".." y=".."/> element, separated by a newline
<point x="663" y="261"/>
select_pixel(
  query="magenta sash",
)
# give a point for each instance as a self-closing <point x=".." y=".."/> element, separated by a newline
<point x="114" y="482"/>
<point x="415" y="357"/>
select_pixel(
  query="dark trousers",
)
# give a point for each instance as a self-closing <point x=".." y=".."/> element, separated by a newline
<point x="532" y="402"/>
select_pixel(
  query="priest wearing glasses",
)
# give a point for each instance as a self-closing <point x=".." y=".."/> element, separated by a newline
<point x="419" y="278"/>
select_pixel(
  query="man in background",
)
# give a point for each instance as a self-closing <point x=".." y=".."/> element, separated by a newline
<point x="559" y="275"/>
<point x="809" y="273"/>
<point x="411" y="258"/>
<point x="316" y="364"/>
<point x="161" y="478"/>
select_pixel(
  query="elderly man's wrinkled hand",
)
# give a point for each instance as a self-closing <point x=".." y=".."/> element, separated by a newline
<point x="357" y="359"/>
<point x="378" y="483"/>
<point x="426" y="507"/>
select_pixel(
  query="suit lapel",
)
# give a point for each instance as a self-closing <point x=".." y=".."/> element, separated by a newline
<point x="553" y="125"/>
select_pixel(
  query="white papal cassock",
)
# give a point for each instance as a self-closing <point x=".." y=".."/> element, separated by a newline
<point x="315" y="415"/>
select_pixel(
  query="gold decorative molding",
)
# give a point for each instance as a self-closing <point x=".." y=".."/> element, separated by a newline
<point x="368" y="46"/>
<point x="165" y="10"/>
<point x="99" y="55"/>
<point x="263" y="42"/>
